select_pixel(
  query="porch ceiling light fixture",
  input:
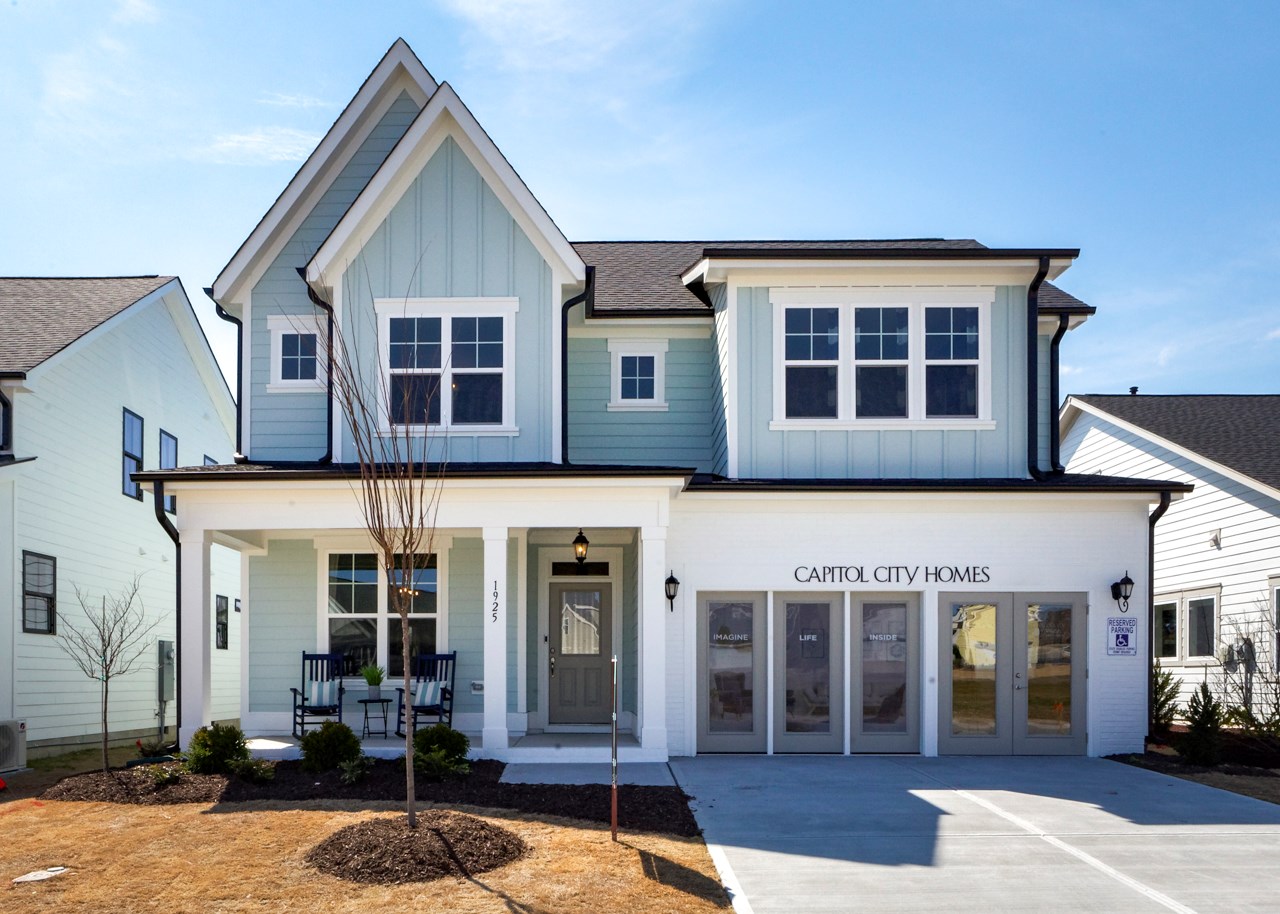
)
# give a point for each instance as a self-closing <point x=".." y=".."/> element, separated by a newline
<point x="1121" y="591"/>
<point x="580" y="544"/>
<point x="672" y="585"/>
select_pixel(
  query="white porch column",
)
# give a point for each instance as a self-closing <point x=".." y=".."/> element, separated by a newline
<point x="494" y="735"/>
<point x="194" y="652"/>
<point x="653" y="638"/>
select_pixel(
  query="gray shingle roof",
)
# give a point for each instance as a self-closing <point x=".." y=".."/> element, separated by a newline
<point x="636" y="277"/>
<point x="43" y="315"/>
<point x="1235" y="430"/>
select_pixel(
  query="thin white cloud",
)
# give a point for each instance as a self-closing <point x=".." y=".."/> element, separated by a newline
<point x="259" y="147"/>
<point x="135" y="11"/>
<point x="295" y="100"/>
<point x="1273" y="335"/>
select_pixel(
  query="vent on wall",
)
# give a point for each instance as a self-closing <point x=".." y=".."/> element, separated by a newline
<point x="13" y="744"/>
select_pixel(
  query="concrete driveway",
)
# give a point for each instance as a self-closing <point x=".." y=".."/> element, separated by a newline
<point x="817" y="834"/>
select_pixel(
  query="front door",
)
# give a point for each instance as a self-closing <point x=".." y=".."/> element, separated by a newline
<point x="1012" y="674"/>
<point x="886" y="676"/>
<point x="581" y="641"/>
<point x="731" y="673"/>
<point x="808" y="674"/>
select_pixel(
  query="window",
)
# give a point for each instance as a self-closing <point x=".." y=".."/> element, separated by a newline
<point x="220" y="622"/>
<point x="883" y="358"/>
<point x="1187" y="627"/>
<point x="39" y="593"/>
<point x="361" y="624"/>
<point x="132" y="454"/>
<point x="449" y="369"/>
<point x="6" y="424"/>
<point x="209" y="461"/>
<point x="298" y="359"/>
<point x="637" y="375"/>
<point x="169" y="461"/>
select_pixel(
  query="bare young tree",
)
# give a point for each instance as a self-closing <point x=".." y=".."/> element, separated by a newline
<point x="110" y="642"/>
<point x="1249" y="678"/>
<point x="400" y="487"/>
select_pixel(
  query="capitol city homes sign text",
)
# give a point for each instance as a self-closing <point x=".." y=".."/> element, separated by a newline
<point x="893" y="574"/>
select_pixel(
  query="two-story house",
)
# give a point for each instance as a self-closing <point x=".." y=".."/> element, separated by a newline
<point x="842" y="456"/>
<point x="100" y="377"/>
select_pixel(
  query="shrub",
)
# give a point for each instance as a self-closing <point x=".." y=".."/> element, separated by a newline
<point x="327" y="748"/>
<point x="1202" y="744"/>
<point x="216" y="749"/>
<point x="440" y="752"/>
<point x="254" y="770"/>
<point x="1164" y="698"/>
<point x="164" y="775"/>
<point x="354" y="771"/>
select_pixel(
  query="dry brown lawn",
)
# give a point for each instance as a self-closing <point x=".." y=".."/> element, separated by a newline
<point x="249" y="857"/>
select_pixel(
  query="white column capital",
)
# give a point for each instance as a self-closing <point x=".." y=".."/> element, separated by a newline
<point x="488" y="534"/>
<point x="653" y="534"/>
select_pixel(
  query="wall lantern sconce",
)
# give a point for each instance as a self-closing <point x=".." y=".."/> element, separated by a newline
<point x="1121" y="591"/>
<point x="672" y="586"/>
<point x="580" y="544"/>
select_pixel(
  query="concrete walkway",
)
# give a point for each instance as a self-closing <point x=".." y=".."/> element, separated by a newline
<point x="885" y="834"/>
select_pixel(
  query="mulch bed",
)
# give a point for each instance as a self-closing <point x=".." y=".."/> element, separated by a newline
<point x="388" y="852"/>
<point x="661" y="810"/>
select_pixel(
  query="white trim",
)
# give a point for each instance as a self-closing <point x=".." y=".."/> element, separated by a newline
<point x="443" y="116"/>
<point x="685" y="328"/>
<point x="521" y="537"/>
<point x="729" y="379"/>
<point x="280" y="324"/>
<point x="504" y="307"/>
<point x="867" y="272"/>
<point x="245" y="368"/>
<point x="655" y="348"/>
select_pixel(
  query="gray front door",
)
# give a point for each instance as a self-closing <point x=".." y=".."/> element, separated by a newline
<point x="580" y="653"/>
<point x="731" y="673"/>
<point x="808" y="652"/>
<point x="886" y="677"/>
<point x="1011" y="674"/>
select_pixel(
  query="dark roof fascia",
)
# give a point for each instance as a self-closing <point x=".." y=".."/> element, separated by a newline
<point x="283" y="472"/>
<point x="13" y="375"/>
<point x="1069" y="310"/>
<point x="628" y="314"/>
<point x="14" y="461"/>
<point x="896" y="253"/>
<point x="1059" y="484"/>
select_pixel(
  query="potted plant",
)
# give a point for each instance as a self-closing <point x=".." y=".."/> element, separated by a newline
<point x="373" y="679"/>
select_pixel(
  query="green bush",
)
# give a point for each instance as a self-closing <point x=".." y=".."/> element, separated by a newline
<point x="440" y="752"/>
<point x="1202" y="744"/>
<point x="1164" y="698"/>
<point x="329" y="747"/>
<point x="164" y="775"/>
<point x="216" y="749"/>
<point x="254" y="770"/>
<point x="354" y="771"/>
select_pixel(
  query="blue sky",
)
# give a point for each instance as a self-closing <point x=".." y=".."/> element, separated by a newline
<point x="142" y="136"/>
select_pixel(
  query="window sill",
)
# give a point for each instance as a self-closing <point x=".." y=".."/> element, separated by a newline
<point x="1196" y="663"/>
<point x="636" y="406"/>
<point x="467" y="431"/>
<point x="309" y="387"/>
<point x="880" y="425"/>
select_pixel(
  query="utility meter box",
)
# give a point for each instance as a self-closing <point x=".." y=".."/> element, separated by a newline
<point x="167" y="667"/>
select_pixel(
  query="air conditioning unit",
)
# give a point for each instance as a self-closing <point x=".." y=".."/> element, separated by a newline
<point x="13" y="744"/>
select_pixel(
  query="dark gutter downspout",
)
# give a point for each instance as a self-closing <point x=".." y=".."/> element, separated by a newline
<point x="1033" y="370"/>
<point x="585" y="295"/>
<point x="169" y="528"/>
<point x="231" y="318"/>
<point x="328" y="348"/>
<point x="1055" y="437"/>
<point x="1165" y="498"/>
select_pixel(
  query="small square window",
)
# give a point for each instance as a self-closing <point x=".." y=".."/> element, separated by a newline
<point x="297" y="353"/>
<point x="298" y="357"/>
<point x="638" y="368"/>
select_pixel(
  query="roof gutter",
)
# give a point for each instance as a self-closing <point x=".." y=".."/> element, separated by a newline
<point x="163" y="519"/>
<point x="1033" y="369"/>
<point x="231" y="318"/>
<point x="13" y="375"/>
<point x="1055" y="436"/>
<point x="328" y="350"/>
<point x="586" y="295"/>
<point x="1165" y="499"/>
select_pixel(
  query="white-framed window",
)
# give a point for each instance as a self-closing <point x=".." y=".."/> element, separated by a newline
<point x="448" y="363"/>
<point x="359" y="622"/>
<point x="131" y="454"/>
<point x="882" y="358"/>
<point x="169" y="461"/>
<point x="1273" y="584"/>
<point x="638" y="375"/>
<point x="298" y="357"/>
<point x="1186" y="626"/>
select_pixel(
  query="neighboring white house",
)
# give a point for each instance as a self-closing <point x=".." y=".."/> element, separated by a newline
<point x="100" y="377"/>
<point x="1217" y="550"/>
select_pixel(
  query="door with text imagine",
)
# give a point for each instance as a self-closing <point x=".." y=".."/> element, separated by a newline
<point x="731" y="672"/>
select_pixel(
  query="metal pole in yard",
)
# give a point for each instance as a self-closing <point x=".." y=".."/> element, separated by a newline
<point x="613" y="793"/>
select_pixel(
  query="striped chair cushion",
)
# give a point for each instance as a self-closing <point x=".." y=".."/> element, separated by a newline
<point x="322" y="693"/>
<point x="427" y="693"/>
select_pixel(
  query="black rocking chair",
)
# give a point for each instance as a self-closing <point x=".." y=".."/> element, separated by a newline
<point x="433" y="691"/>
<point x="321" y="692"/>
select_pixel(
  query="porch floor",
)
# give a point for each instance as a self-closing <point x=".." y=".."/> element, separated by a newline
<point x="531" y="748"/>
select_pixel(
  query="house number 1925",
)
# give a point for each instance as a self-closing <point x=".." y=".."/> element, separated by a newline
<point x="494" y="612"/>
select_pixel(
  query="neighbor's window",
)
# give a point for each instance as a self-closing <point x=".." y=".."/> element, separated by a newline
<point x="132" y="462"/>
<point x="1186" y="627"/>
<point x="637" y="375"/>
<point x="297" y="353"/>
<point x="361" y="623"/>
<point x="39" y="593"/>
<point x="221" y="623"/>
<point x="449" y="369"/>
<point x="168" y="461"/>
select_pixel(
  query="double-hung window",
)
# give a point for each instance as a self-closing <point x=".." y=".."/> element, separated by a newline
<point x="882" y="358"/>
<point x="298" y="356"/>
<point x="360" y="619"/>
<point x="637" y="375"/>
<point x="39" y="593"/>
<point x="448" y="363"/>
<point x="1186" y="628"/>
<point x="169" y="461"/>
<point x="132" y="454"/>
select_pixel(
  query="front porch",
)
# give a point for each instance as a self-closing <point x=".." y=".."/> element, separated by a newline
<point x="531" y="748"/>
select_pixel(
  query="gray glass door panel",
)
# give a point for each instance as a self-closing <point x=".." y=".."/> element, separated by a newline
<point x="808" y="651"/>
<point x="731" y="673"/>
<point x="1011" y="674"/>
<point x="886" y="673"/>
<point x="580" y="677"/>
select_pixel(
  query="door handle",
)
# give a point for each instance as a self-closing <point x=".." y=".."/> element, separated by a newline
<point x="553" y="663"/>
